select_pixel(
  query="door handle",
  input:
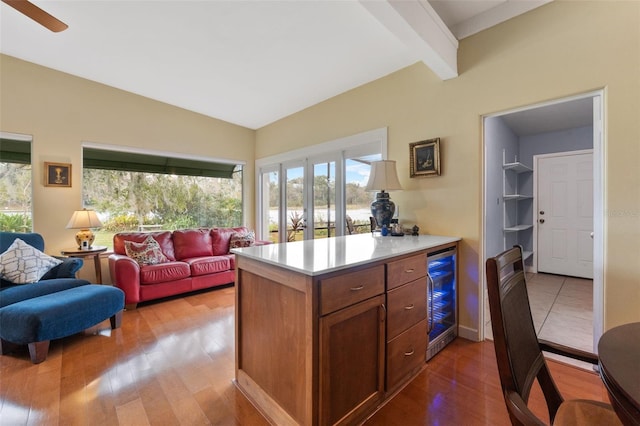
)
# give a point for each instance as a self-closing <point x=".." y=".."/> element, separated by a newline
<point x="541" y="211"/>
<point x="541" y="221"/>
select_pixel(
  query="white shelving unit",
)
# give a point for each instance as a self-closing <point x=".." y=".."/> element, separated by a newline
<point x="517" y="228"/>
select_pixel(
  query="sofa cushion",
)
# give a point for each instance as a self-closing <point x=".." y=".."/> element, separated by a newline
<point x="60" y="314"/>
<point x="145" y="253"/>
<point x="163" y="272"/>
<point x="242" y="239"/>
<point x="189" y="243"/>
<point x="208" y="265"/>
<point x="17" y="293"/>
<point x="232" y="260"/>
<point x="22" y="263"/>
<point x="67" y="269"/>
<point x="222" y="238"/>
<point x="163" y="238"/>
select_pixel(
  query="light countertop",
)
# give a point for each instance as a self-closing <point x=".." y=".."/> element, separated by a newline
<point x="315" y="257"/>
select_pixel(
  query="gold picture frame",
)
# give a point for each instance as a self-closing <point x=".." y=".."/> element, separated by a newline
<point x="424" y="158"/>
<point x="57" y="175"/>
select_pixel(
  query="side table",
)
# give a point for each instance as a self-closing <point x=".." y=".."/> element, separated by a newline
<point x="92" y="252"/>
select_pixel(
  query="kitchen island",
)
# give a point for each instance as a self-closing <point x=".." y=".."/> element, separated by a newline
<point x="328" y="329"/>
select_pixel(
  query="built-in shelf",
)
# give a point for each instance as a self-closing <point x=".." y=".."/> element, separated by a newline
<point x="508" y="197"/>
<point x="517" y="228"/>
<point x="516" y="167"/>
<point x="517" y="222"/>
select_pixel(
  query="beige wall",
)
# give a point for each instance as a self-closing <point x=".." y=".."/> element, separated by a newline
<point x="61" y="111"/>
<point x="558" y="50"/>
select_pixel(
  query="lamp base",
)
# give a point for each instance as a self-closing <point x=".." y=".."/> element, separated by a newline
<point x="383" y="209"/>
<point x="85" y="238"/>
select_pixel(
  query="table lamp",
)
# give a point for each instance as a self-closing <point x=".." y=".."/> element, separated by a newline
<point x="383" y="177"/>
<point x="83" y="220"/>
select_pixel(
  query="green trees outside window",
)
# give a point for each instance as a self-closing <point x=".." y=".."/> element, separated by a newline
<point x="134" y="201"/>
<point x="15" y="197"/>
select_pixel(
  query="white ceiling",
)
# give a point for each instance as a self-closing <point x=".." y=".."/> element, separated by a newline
<point x="247" y="62"/>
<point x="565" y="115"/>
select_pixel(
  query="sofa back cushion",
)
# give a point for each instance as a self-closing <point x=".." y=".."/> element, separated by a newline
<point x="33" y="239"/>
<point x="189" y="243"/>
<point x="163" y="238"/>
<point x="222" y="237"/>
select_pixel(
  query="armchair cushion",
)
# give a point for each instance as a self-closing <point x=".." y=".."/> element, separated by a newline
<point x="22" y="263"/>
<point x="67" y="269"/>
<point x="17" y="293"/>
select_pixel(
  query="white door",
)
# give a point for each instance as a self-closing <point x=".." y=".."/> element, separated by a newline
<point x="565" y="214"/>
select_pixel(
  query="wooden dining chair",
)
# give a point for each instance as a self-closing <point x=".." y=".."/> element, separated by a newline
<point x="519" y="351"/>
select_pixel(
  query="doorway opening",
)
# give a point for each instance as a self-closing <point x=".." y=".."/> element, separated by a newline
<point x="516" y="144"/>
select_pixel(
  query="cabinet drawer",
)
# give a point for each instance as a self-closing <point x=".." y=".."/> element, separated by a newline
<point x="406" y="354"/>
<point x="406" y="270"/>
<point x="406" y="305"/>
<point x="346" y="289"/>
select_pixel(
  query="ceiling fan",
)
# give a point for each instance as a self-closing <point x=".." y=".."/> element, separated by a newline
<point x="40" y="16"/>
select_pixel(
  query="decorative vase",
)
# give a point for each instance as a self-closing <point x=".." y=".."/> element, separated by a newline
<point x="382" y="209"/>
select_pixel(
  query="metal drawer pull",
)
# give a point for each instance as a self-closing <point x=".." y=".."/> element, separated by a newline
<point x="410" y="352"/>
<point x="409" y="271"/>
<point x="409" y="307"/>
<point x="357" y="288"/>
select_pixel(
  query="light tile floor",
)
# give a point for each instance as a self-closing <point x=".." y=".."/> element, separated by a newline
<point x="562" y="310"/>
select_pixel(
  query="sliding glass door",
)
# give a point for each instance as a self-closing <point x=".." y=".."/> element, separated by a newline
<point x="295" y="208"/>
<point x="321" y="194"/>
<point x="327" y="207"/>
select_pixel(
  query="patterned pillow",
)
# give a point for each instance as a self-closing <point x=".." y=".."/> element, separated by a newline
<point x="242" y="239"/>
<point x="22" y="263"/>
<point x="147" y="252"/>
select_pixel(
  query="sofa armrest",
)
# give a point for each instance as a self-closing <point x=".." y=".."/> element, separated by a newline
<point x="125" y="274"/>
<point x="67" y="269"/>
<point x="262" y="243"/>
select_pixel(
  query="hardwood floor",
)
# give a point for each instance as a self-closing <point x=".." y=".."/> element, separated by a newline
<point x="172" y="363"/>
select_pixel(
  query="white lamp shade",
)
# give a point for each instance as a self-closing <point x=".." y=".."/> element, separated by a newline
<point x="84" y="219"/>
<point x="383" y="176"/>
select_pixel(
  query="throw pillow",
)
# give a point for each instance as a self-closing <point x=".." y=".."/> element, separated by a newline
<point x="147" y="252"/>
<point x="244" y="239"/>
<point x="22" y="263"/>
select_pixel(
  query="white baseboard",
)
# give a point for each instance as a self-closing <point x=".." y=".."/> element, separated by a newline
<point x="469" y="333"/>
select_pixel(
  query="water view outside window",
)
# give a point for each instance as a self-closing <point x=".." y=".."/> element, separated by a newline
<point x="138" y="201"/>
<point x="357" y="200"/>
<point x="15" y="197"/>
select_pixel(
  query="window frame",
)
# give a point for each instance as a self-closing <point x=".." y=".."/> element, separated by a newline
<point x="24" y="138"/>
<point x="366" y="143"/>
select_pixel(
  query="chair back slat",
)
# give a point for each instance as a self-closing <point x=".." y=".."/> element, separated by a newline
<point x="520" y="359"/>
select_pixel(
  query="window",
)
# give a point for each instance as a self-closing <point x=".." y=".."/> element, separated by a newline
<point x="15" y="183"/>
<point x="318" y="191"/>
<point x="142" y="192"/>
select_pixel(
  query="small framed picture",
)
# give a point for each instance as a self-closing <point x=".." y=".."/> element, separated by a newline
<point x="424" y="158"/>
<point x="57" y="174"/>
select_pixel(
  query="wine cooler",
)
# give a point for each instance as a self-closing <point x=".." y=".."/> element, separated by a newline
<point x="441" y="299"/>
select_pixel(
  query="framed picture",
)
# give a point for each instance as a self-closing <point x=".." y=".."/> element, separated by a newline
<point x="57" y="174"/>
<point x="424" y="158"/>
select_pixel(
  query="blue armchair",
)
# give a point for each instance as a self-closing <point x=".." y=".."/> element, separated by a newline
<point x="56" y="306"/>
<point x="67" y="269"/>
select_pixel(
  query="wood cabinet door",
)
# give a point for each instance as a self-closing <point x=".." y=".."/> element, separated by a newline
<point x="352" y="359"/>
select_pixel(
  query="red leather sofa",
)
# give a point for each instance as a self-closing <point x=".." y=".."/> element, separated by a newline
<point x="195" y="259"/>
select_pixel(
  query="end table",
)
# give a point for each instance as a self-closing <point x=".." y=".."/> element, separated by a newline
<point x="92" y="252"/>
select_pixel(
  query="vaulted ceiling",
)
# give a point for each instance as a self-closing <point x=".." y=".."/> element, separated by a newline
<point x="249" y="62"/>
